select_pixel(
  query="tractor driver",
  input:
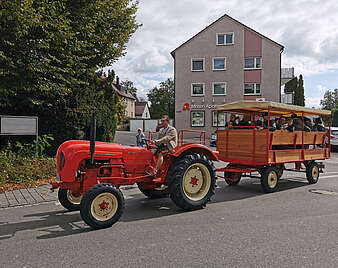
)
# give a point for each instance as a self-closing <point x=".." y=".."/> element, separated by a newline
<point x="166" y="142"/>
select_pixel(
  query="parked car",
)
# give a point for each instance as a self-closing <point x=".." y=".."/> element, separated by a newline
<point x="213" y="139"/>
<point x="334" y="138"/>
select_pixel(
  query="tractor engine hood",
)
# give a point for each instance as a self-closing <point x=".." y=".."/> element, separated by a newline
<point x="71" y="153"/>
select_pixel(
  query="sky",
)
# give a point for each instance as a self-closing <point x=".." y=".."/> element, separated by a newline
<point x="308" y="29"/>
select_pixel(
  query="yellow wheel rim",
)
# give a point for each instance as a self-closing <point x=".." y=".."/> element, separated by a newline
<point x="196" y="181"/>
<point x="315" y="173"/>
<point x="104" y="206"/>
<point x="76" y="200"/>
<point x="272" y="179"/>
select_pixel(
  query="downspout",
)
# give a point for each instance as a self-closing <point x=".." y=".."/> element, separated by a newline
<point x="280" y="74"/>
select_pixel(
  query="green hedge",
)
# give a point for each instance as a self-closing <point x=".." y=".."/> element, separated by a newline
<point x="24" y="169"/>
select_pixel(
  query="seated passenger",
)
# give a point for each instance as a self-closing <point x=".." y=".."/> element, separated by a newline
<point x="290" y="127"/>
<point x="272" y="124"/>
<point x="307" y="124"/>
<point x="297" y="122"/>
<point x="232" y="120"/>
<point x="278" y="123"/>
<point x="258" y="122"/>
<point x="245" y="122"/>
<point x="318" y="125"/>
<point x="237" y="120"/>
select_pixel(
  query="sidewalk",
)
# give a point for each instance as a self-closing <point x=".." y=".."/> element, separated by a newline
<point x="27" y="196"/>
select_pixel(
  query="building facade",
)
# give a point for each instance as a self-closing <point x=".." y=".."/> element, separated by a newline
<point x="128" y="99"/>
<point x="225" y="62"/>
<point x="142" y="110"/>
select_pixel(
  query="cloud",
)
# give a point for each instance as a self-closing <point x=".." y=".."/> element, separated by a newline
<point x="307" y="28"/>
<point x="312" y="102"/>
<point x="321" y="88"/>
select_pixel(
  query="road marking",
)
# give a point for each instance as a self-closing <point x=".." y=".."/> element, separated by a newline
<point x="317" y="191"/>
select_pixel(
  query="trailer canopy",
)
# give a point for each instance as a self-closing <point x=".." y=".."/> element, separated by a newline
<point x="274" y="107"/>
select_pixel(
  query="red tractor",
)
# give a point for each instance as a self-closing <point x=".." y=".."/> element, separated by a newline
<point x="91" y="173"/>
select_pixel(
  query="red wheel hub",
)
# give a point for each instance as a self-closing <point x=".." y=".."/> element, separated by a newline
<point x="103" y="205"/>
<point x="193" y="181"/>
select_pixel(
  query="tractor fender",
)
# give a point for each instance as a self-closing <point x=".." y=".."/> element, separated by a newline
<point x="196" y="148"/>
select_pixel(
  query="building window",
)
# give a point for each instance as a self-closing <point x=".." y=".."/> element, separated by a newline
<point x="221" y="119"/>
<point x="197" y="65"/>
<point x="197" y="89"/>
<point x="219" y="64"/>
<point x="252" y="89"/>
<point x="252" y="63"/>
<point x="197" y="118"/>
<point x="219" y="88"/>
<point x="223" y="39"/>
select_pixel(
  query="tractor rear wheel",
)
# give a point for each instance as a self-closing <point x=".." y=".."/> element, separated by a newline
<point x="102" y="205"/>
<point x="234" y="176"/>
<point x="68" y="200"/>
<point x="158" y="192"/>
<point x="192" y="181"/>
<point x="269" y="180"/>
<point x="312" y="172"/>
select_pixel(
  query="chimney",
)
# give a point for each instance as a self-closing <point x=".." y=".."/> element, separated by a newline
<point x="117" y="81"/>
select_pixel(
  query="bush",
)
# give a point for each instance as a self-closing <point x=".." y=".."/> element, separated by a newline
<point x="24" y="170"/>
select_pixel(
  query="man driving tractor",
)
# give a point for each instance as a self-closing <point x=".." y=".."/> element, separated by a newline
<point x="166" y="142"/>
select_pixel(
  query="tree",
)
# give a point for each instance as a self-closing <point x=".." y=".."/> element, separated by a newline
<point x="296" y="86"/>
<point x="330" y="100"/>
<point x="50" y="51"/>
<point x="299" y="98"/>
<point x="129" y="85"/>
<point x="162" y="99"/>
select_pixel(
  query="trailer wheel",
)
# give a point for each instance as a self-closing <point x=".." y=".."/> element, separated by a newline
<point x="269" y="180"/>
<point x="280" y="169"/>
<point x="158" y="192"/>
<point x="312" y="172"/>
<point x="68" y="200"/>
<point x="102" y="205"/>
<point x="193" y="179"/>
<point x="235" y="176"/>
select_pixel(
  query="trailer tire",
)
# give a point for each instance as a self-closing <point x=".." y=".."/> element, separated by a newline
<point x="68" y="200"/>
<point x="102" y="205"/>
<point x="158" y="192"/>
<point x="312" y="172"/>
<point x="269" y="179"/>
<point x="236" y="175"/>
<point x="193" y="181"/>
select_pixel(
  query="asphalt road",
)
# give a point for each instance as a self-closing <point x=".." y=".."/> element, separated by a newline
<point x="241" y="227"/>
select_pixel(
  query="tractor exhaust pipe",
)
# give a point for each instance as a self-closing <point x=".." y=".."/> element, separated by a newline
<point x="92" y="136"/>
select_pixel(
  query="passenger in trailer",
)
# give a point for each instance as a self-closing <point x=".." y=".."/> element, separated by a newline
<point x="289" y="125"/>
<point x="318" y="125"/>
<point x="245" y="123"/>
<point x="232" y="120"/>
<point x="258" y="122"/>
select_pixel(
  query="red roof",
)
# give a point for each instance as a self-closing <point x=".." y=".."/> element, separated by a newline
<point x="123" y="93"/>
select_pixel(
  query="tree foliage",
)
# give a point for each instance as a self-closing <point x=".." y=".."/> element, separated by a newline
<point x="129" y="85"/>
<point x="296" y="86"/>
<point x="330" y="100"/>
<point x="49" y="53"/>
<point x="162" y="99"/>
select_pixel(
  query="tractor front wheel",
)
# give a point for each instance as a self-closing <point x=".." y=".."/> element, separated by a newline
<point x="192" y="181"/>
<point x="102" y="206"/>
<point x="158" y="192"/>
<point x="68" y="200"/>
